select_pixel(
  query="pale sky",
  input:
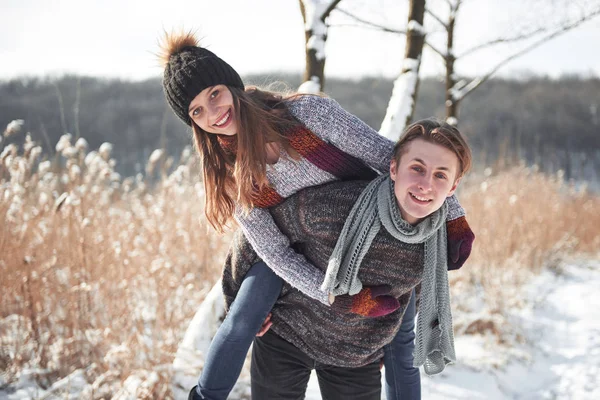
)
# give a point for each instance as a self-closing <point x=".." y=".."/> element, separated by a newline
<point x="117" y="38"/>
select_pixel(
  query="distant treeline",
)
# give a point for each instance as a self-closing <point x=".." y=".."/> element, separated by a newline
<point x="552" y="122"/>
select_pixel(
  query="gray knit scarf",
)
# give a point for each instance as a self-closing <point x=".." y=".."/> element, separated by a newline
<point x="377" y="206"/>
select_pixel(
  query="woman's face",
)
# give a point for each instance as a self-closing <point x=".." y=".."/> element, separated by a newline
<point x="213" y="111"/>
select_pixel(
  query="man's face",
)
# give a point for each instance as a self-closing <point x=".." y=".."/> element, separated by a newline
<point x="423" y="179"/>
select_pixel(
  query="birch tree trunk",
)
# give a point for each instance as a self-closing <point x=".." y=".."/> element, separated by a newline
<point x="451" y="103"/>
<point x="314" y="15"/>
<point x="401" y="107"/>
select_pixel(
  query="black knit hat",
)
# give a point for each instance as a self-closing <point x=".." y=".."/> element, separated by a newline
<point x="189" y="72"/>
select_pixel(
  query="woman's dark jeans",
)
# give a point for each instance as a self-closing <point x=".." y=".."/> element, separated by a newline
<point x="402" y="379"/>
<point x="223" y="364"/>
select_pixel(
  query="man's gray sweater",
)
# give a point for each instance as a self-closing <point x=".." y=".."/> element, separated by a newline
<point x="313" y="219"/>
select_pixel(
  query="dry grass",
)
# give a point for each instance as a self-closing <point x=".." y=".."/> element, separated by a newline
<point x="524" y="221"/>
<point x="104" y="273"/>
<point x="99" y="271"/>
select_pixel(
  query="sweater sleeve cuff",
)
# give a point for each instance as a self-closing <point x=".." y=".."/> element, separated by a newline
<point x="455" y="210"/>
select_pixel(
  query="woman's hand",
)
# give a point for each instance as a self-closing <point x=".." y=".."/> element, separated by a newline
<point x="370" y="302"/>
<point x="331" y="299"/>
<point x="265" y="326"/>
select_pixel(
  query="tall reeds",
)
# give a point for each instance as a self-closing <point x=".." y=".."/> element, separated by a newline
<point x="104" y="273"/>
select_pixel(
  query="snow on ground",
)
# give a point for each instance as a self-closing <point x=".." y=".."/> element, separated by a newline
<point x="558" y="358"/>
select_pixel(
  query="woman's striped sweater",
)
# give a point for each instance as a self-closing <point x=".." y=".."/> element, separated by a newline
<point x="332" y="124"/>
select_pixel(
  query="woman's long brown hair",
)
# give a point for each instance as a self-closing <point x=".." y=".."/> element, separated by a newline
<point x="234" y="180"/>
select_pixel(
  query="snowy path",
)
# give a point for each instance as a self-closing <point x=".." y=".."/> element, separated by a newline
<point x="565" y="327"/>
<point x="562" y="327"/>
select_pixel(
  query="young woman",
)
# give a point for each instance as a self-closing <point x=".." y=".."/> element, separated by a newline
<point x="257" y="148"/>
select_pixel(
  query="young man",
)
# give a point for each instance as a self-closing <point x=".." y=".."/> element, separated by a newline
<point x="395" y="219"/>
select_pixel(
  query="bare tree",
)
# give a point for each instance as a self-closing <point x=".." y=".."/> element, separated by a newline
<point x="457" y="89"/>
<point x="529" y="35"/>
<point x="314" y="14"/>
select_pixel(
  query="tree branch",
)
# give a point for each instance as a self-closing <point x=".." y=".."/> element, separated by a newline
<point x="435" y="50"/>
<point x="438" y="19"/>
<point x="565" y="28"/>
<point x="502" y="40"/>
<point x="378" y="28"/>
<point x="331" y="6"/>
<point x="371" y="24"/>
<point x="454" y="9"/>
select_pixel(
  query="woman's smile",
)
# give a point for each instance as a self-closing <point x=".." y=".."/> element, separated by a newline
<point x="224" y="121"/>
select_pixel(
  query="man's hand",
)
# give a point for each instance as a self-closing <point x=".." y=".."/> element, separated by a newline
<point x="265" y="326"/>
<point x="460" y="241"/>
